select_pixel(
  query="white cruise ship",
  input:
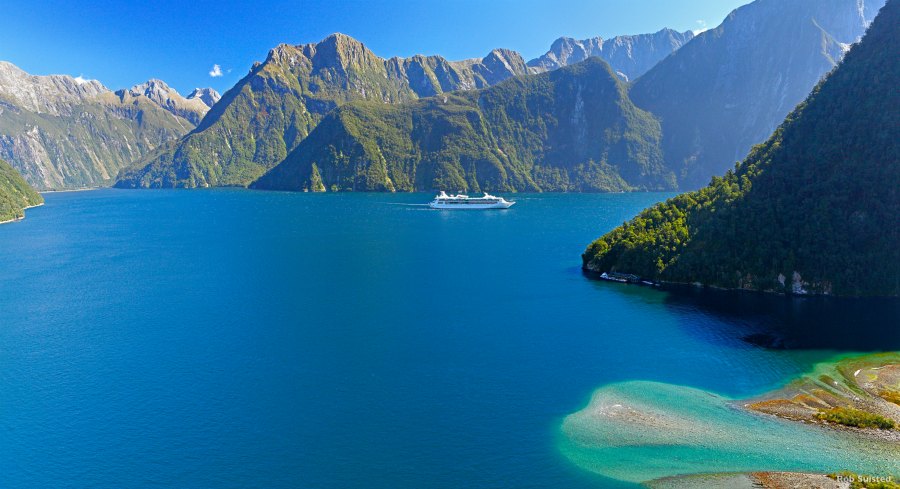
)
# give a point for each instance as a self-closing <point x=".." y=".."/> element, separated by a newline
<point x="444" y="201"/>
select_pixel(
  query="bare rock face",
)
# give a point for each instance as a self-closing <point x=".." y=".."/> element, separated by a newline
<point x="158" y="92"/>
<point x="206" y="95"/>
<point x="629" y="56"/>
<point x="61" y="131"/>
<point x="52" y="94"/>
<point x="730" y="87"/>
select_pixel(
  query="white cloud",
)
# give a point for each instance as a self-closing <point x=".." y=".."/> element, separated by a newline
<point x="216" y="71"/>
<point x="701" y="27"/>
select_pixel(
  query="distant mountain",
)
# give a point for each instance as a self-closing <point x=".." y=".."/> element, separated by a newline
<point x="728" y="88"/>
<point x="206" y="95"/>
<point x="716" y="94"/>
<point x="573" y="129"/>
<point x="630" y="56"/>
<point x="64" y="132"/>
<point x="15" y="194"/>
<point x="813" y="209"/>
<point x="192" y="109"/>
<point x="266" y="114"/>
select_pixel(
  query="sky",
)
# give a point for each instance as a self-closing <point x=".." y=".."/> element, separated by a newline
<point x="206" y="43"/>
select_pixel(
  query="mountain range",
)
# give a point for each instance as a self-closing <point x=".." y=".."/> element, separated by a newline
<point x="812" y="210"/>
<point x="729" y="88"/>
<point x="573" y="129"/>
<point x="65" y="132"/>
<point x="720" y="93"/>
<point x="704" y="101"/>
<point x="268" y="112"/>
<point x="271" y="110"/>
<point x="630" y="56"/>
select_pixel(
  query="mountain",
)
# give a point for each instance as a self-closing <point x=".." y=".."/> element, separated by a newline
<point x="15" y="194"/>
<point x="716" y="96"/>
<point x="167" y="98"/>
<point x="630" y="56"/>
<point x="813" y="209"/>
<point x="206" y="95"/>
<point x="729" y="87"/>
<point x="266" y="114"/>
<point x="573" y="129"/>
<point x="65" y="132"/>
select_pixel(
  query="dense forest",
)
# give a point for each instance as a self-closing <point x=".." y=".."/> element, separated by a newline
<point x="813" y="209"/>
<point x="15" y="194"/>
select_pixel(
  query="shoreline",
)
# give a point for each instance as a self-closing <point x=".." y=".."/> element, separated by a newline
<point x="668" y="285"/>
<point x="620" y="432"/>
<point x="862" y="383"/>
<point x="17" y="219"/>
<point x="82" y="189"/>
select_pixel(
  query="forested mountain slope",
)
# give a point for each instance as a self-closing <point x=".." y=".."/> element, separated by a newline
<point x="15" y="194"/>
<point x="816" y="208"/>
<point x="573" y="129"/>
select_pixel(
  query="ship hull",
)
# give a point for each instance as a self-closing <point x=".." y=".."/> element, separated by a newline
<point x="470" y="207"/>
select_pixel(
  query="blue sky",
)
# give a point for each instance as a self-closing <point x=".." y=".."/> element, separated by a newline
<point x="124" y="43"/>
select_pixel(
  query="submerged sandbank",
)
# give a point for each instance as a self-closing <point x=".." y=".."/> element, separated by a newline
<point x="641" y="431"/>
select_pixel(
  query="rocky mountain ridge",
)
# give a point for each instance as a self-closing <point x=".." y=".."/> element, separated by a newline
<point x="157" y="91"/>
<point x="729" y="87"/>
<point x="630" y="56"/>
<point x="61" y="131"/>
<point x="266" y="114"/>
<point x="207" y="95"/>
<point x="572" y="129"/>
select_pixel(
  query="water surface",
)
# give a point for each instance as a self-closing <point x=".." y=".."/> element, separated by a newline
<point x="231" y="338"/>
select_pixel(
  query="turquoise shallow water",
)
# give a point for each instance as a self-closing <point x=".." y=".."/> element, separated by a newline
<point x="232" y="338"/>
<point x="639" y="431"/>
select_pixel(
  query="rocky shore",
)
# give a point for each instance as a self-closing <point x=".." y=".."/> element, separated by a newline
<point x="868" y="384"/>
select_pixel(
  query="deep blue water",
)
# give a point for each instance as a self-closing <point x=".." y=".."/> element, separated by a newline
<point x="233" y="338"/>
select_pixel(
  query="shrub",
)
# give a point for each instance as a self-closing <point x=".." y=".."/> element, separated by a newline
<point x="856" y="418"/>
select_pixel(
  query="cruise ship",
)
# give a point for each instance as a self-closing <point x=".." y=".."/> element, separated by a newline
<point x="444" y="201"/>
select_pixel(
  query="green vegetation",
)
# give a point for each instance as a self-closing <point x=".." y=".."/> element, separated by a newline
<point x="694" y="113"/>
<point x="891" y="396"/>
<point x="269" y="112"/>
<point x="813" y="209"/>
<point x="856" y="418"/>
<point x="573" y="129"/>
<point x="15" y="194"/>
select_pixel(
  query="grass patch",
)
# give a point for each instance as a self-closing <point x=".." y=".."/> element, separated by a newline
<point x="891" y="396"/>
<point x="856" y="418"/>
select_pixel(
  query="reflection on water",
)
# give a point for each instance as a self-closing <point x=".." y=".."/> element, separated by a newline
<point x="639" y="430"/>
<point x="820" y="323"/>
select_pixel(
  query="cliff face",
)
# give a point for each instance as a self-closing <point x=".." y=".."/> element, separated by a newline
<point x="65" y="132"/>
<point x="629" y="56"/>
<point x="728" y="89"/>
<point x="167" y="98"/>
<point x="812" y="210"/>
<point x="206" y="95"/>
